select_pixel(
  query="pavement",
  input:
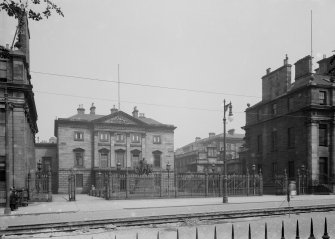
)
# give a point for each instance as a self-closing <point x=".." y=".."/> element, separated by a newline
<point x="88" y="208"/>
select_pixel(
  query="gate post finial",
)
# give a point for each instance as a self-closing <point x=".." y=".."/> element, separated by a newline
<point x="215" y="232"/>
<point x="282" y="230"/>
<point x="311" y="236"/>
<point x="232" y="231"/>
<point x="325" y="234"/>
<point x="266" y="231"/>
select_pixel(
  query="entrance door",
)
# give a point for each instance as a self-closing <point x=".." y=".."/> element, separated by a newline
<point x="323" y="170"/>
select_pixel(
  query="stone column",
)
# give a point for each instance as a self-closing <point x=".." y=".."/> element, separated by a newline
<point x="332" y="152"/>
<point x="143" y="144"/>
<point x="312" y="150"/>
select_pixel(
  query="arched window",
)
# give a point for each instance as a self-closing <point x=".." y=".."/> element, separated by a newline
<point x="135" y="157"/>
<point x="157" y="158"/>
<point x="120" y="157"/>
<point x="104" y="153"/>
<point x="78" y="157"/>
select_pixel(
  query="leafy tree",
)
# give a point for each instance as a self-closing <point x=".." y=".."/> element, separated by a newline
<point x="17" y="8"/>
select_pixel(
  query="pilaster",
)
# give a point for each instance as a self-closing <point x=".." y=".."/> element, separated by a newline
<point x="312" y="150"/>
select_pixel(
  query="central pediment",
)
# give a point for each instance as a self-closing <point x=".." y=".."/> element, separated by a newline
<point x="119" y="118"/>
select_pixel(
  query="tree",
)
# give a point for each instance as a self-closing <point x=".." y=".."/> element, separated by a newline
<point x="17" y="8"/>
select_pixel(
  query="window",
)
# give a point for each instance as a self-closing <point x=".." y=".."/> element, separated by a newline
<point x="274" y="109"/>
<point x="323" y="135"/>
<point x="290" y="137"/>
<point x="104" y="137"/>
<point x="3" y="69"/>
<point x="274" y="141"/>
<point x="157" y="139"/>
<point x="78" y="157"/>
<point x="211" y="152"/>
<point x="120" y="138"/>
<point x="135" y="158"/>
<point x="120" y="157"/>
<point x="2" y="168"/>
<point x="18" y="71"/>
<point x="157" y="159"/>
<point x="79" y="180"/>
<point x="323" y="170"/>
<point x="259" y="144"/>
<point x="135" y="138"/>
<point x="78" y="136"/>
<point x="322" y="97"/>
<point x="291" y="169"/>
<point x="103" y="158"/>
<point x="274" y="169"/>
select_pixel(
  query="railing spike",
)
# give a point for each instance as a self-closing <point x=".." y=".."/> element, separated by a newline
<point x="282" y="230"/>
<point x="158" y="235"/>
<point x="215" y="232"/>
<point x="249" y="232"/>
<point x="232" y="231"/>
<point x="311" y="236"/>
<point x="325" y="234"/>
<point x="297" y="236"/>
<point x="136" y="235"/>
<point x="266" y="231"/>
<point x="196" y="233"/>
<point x="177" y="234"/>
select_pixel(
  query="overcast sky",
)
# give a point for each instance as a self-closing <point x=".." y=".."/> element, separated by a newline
<point x="218" y="46"/>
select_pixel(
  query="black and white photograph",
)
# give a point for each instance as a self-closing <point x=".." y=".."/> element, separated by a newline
<point x="179" y="119"/>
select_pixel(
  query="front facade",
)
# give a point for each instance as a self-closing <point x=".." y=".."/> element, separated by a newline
<point x="18" y="114"/>
<point x="204" y="154"/>
<point x="291" y="131"/>
<point x="88" y="142"/>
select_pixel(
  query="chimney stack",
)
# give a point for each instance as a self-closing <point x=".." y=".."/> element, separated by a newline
<point x="113" y="110"/>
<point x="268" y="71"/>
<point x="92" y="109"/>
<point x="211" y="134"/>
<point x="286" y="60"/>
<point x="197" y="139"/>
<point x="81" y="110"/>
<point x="303" y="67"/>
<point x="135" y="112"/>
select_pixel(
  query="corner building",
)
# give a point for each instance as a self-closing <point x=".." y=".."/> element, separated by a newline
<point x="18" y="115"/>
<point x="292" y="129"/>
<point x="88" y="142"/>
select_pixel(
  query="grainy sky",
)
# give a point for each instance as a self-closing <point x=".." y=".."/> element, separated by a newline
<point x="219" y="46"/>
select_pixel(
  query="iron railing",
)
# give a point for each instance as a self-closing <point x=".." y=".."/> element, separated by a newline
<point x="266" y="236"/>
<point x="165" y="184"/>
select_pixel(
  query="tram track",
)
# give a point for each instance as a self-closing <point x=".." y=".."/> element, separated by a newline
<point x="162" y="219"/>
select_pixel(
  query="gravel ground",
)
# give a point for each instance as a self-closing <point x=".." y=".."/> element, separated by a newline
<point x="187" y="229"/>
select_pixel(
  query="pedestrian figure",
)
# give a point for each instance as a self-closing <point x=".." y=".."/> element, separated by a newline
<point x="12" y="199"/>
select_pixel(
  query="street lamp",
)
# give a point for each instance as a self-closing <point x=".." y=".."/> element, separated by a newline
<point x="168" y="167"/>
<point x="253" y="167"/>
<point x="225" y="177"/>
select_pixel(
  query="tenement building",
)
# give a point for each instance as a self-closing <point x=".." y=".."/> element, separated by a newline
<point x="89" y="142"/>
<point x="292" y="129"/>
<point x="18" y="114"/>
<point x="204" y="155"/>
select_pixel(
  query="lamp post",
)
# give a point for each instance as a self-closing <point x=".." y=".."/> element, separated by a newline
<point x="253" y="178"/>
<point x="168" y="167"/>
<point x="225" y="177"/>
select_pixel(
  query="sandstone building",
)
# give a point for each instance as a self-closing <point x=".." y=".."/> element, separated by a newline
<point x="18" y="114"/>
<point x="203" y="154"/>
<point x="89" y="142"/>
<point x="292" y="127"/>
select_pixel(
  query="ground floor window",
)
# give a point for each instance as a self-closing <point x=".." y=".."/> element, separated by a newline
<point x="120" y="157"/>
<point x="2" y="168"/>
<point x="79" y="180"/>
<point x="135" y="158"/>
<point x="323" y="170"/>
<point x="157" y="159"/>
